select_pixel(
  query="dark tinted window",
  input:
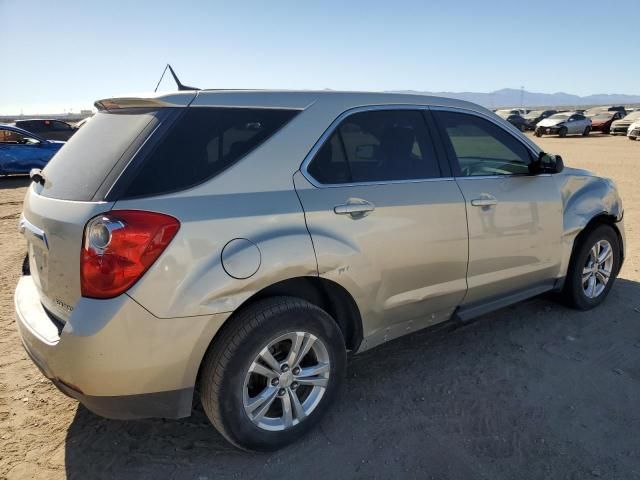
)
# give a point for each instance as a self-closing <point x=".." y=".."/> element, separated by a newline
<point x="482" y="147"/>
<point x="61" y="126"/>
<point x="377" y="146"/>
<point x="202" y="143"/>
<point x="330" y="165"/>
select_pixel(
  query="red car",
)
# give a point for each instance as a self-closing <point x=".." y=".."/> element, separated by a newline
<point x="601" y="121"/>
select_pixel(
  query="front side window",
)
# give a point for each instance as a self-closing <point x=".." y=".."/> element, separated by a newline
<point x="481" y="147"/>
<point x="9" y="137"/>
<point x="377" y="146"/>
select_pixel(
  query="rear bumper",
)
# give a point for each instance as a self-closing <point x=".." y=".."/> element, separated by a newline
<point x="115" y="357"/>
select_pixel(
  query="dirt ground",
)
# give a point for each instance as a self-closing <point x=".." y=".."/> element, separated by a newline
<point x="529" y="392"/>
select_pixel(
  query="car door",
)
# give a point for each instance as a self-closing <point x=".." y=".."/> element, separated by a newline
<point x="514" y="218"/>
<point x="387" y="220"/>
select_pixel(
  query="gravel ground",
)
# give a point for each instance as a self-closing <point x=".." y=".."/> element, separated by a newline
<point x="531" y="391"/>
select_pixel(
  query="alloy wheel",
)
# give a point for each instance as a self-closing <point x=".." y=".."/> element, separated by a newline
<point x="286" y="381"/>
<point x="598" y="269"/>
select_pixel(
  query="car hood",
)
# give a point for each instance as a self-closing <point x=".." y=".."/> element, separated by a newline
<point x="579" y="172"/>
<point x="551" y="122"/>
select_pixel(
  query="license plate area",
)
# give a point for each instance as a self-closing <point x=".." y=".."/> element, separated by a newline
<point x="39" y="264"/>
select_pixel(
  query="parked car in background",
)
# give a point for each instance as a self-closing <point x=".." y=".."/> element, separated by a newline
<point x="517" y="121"/>
<point x="620" y="127"/>
<point x="48" y="129"/>
<point x="633" y="132"/>
<point x="245" y="249"/>
<point x="20" y="151"/>
<point x="601" y="121"/>
<point x="506" y="112"/>
<point x="563" y="124"/>
<point x="534" y="116"/>
<point x="613" y="108"/>
<point x="81" y="123"/>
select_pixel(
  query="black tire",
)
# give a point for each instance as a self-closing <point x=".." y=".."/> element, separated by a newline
<point x="562" y="132"/>
<point x="586" y="132"/>
<point x="573" y="292"/>
<point x="537" y="133"/>
<point x="230" y="355"/>
<point x="523" y="128"/>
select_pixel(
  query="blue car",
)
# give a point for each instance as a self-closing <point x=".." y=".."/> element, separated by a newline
<point x="20" y="151"/>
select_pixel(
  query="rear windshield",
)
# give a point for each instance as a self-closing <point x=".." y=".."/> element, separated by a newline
<point x="77" y="171"/>
<point x="202" y="143"/>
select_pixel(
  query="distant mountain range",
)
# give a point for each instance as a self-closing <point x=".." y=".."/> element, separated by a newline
<point x="510" y="97"/>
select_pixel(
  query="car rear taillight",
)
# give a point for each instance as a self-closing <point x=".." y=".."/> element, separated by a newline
<point x="119" y="246"/>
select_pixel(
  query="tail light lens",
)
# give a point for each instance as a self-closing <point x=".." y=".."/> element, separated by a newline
<point x="119" y="247"/>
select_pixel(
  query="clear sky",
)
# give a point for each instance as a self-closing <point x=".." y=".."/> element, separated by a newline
<point x="65" y="54"/>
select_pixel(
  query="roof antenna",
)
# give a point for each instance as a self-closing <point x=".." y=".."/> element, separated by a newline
<point x="175" y="78"/>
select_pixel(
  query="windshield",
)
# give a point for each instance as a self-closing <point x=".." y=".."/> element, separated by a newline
<point x="601" y="116"/>
<point x="559" y="116"/>
<point x="82" y="164"/>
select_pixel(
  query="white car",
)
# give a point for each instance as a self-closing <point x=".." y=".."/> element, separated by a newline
<point x="633" y="132"/>
<point x="563" y="124"/>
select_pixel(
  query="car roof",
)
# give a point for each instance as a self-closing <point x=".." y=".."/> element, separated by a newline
<point x="295" y="99"/>
<point x="40" y="120"/>
<point x="21" y="131"/>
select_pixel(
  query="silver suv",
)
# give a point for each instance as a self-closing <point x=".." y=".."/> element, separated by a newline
<point x="238" y="243"/>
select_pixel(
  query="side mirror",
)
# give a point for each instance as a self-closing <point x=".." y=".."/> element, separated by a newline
<point x="547" y="163"/>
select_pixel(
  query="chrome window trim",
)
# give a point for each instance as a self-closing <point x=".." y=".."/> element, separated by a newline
<point x="531" y="147"/>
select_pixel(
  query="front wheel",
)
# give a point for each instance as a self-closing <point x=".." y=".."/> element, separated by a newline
<point x="594" y="266"/>
<point x="563" y="132"/>
<point x="272" y="373"/>
<point x="586" y="131"/>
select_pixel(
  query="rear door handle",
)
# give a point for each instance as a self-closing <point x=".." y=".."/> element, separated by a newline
<point x="355" y="208"/>
<point x="484" y="201"/>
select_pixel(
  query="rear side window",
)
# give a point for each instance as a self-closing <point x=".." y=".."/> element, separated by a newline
<point x="377" y="146"/>
<point x="203" y="143"/>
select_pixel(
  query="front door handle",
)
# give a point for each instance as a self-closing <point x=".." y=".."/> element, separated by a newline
<point x="484" y="201"/>
<point x="355" y="207"/>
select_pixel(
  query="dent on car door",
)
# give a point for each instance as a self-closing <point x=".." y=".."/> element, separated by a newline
<point x="385" y="223"/>
<point x="514" y="218"/>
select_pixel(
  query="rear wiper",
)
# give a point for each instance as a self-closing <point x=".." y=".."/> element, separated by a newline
<point x="36" y="175"/>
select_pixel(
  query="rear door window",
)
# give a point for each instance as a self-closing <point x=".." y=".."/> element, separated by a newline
<point x="202" y="143"/>
<point x="377" y="146"/>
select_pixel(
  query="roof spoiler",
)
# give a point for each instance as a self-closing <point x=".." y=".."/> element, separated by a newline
<point x="146" y="100"/>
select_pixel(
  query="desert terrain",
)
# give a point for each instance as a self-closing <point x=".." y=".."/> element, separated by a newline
<point x="532" y="391"/>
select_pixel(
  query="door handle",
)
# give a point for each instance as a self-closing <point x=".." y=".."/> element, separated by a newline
<point x="484" y="201"/>
<point x="355" y="208"/>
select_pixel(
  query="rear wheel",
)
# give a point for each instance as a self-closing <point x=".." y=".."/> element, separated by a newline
<point x="594" y="266"/>
<point x="537" y="132"/>
<point x="272" y="373"/>
<point x="562" y="132"/>
<point x="523" y="128"/>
